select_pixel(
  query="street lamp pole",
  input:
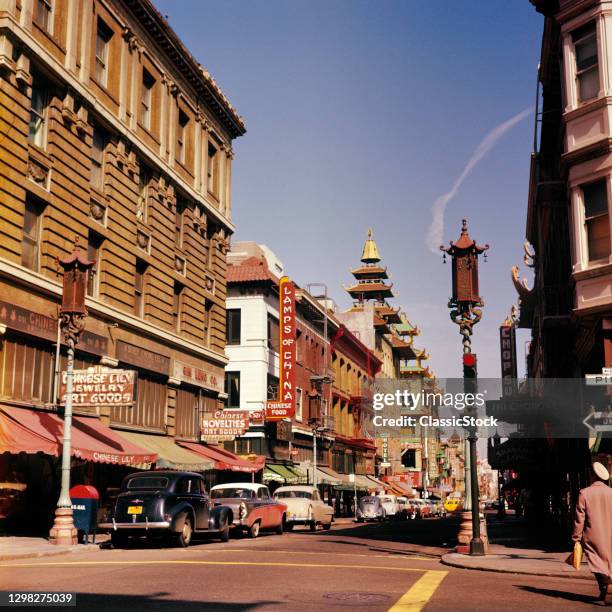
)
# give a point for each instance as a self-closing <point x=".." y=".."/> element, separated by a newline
<point x="466" y="311"/>
<point x="72" y="323"/>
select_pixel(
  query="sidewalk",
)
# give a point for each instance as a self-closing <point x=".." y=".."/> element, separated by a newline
<point x="513" y="551"/>
<point x="14" y="547"/>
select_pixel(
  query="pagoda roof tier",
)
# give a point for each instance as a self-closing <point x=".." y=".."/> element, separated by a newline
<point x="372" y="271"/>
<point x="371" y="290"/>
<point x="391" y="315"/>
<point x="381" y="325"/>
<point x="401" y="348"/>
<point x="407" y="329"/>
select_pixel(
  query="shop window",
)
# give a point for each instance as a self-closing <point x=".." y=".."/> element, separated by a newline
<point x="409" y="458"/>
<point x="149" y="409"/>
<point x="146" y="97"/>
<point x="37" y="131"/>
<point x="177" y="307"/>
<point x="234" y="321"/>
<point x="273" y="334"/>
<point x="181" y="145"/>
<point x="97" y="158"/>
<point x="186" y="414"/>
<point x="140" y="288"/>
<point x="103" y="39"/>
<point x="43" y="12"/>
<point x="213" y="169"/>
<point x="94" y="249"/>
<point x="232" y="388"/>
<point x="30" y="242"/>
<point x="596" y="218"/>
<point x="587" y="63"/>
<point x="26" y="370"/>
<point x="143" y="193"/>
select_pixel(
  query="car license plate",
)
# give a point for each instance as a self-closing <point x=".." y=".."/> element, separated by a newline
<point x="134" y="509"/>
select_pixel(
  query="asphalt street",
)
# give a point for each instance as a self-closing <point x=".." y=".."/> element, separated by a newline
<point x="393" y="566"/>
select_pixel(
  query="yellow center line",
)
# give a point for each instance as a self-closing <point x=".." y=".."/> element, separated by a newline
<point x="193" y="562"/>
<point x="417" y="596"/>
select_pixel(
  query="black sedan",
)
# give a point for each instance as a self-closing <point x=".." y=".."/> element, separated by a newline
<point x="168" y="503"/>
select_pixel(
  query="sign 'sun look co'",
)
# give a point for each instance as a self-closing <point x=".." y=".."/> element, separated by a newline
<point x="284" y="406"/>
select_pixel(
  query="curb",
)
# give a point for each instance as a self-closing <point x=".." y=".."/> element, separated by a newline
<point x="501" y="570"/>
<point x="50" y="553"/>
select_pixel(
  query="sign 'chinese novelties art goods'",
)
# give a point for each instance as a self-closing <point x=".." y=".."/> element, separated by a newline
<point x="224" y="425"/>
<point x="284" y="407"/>
<point x="100" y="387"/>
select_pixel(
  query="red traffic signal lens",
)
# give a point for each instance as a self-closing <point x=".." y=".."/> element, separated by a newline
<point x="469" y="360"/>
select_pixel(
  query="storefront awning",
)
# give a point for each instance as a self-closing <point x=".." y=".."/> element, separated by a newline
<point x="344" y="484"/>
<point x="322" y="477"/>
<point x="170" y="455"/>
<point x="223" y="459"/>
<point x="379" y="484"/>
<point x="280" y="473"/>
<point x="399" y="488"/>
<point x="23" y="430"/>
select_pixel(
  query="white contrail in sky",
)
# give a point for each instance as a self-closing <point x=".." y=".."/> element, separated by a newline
<point x="436" y="229"/>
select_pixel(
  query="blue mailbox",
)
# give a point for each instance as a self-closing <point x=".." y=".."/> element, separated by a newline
<point x="85" y="499"/>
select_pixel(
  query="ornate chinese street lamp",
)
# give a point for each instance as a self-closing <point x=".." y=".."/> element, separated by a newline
<point x="466" y="311"/>
<point x="72" y="322"/>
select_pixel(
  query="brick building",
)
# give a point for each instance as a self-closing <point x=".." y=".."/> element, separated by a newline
<point x="114" y="136"/>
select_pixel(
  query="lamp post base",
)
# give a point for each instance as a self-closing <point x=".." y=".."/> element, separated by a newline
<point x="63" y="532"/>
<point x="477" y="547"/>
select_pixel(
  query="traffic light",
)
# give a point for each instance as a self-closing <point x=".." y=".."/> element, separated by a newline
<point x="470" y="365"/>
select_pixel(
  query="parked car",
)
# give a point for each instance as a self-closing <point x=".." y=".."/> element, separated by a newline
<point x="304" y="507"/>
<point x="370" y="508"/>
<point x="403" y="506"/>
<point x="389" y="503"/>
<point x="253" y="508"/>
<point x="423" y="509"/>
<point x="168" y="503"/>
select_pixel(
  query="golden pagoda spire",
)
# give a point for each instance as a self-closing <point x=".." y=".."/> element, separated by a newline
<point x="370" y="250"/>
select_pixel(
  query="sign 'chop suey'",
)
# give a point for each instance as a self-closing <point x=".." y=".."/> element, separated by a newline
<point x="284" y="407"/>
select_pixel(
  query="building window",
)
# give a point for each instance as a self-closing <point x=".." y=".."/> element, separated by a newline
<point x="587" y="65"/>
<point x="232" y="388"/>
<point x="213" y="169"/>
<point x="409" y="458"/>
<point x="94" y="244"/>
<point x="272" y="391"/>
<point x="103" y="38"/>
<point x="298" y="404"/>
<point x="233" y="324"/>
<point x="182" y="133"/>
<point x="178" y="223"/>
<point x="206" y="323"/>
<point x="42" y="14"/>
<point x="38" y="115"/>
<point x="596" y="218"/>
<point x="146" y="96"/>
<point x="273" y="333"/>
<point x="139" y="288"/>
<point x="177" y="306"/>
<point x="97" y="158"/>
<point x="143" y="193"/>
<point x="30" y="244"/>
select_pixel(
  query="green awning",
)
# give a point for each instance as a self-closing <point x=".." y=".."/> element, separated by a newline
<point x="271" y="476"/>
<point x="301" y="476"/>
<point x="170" y="455"/>
<point x="343" y="481"/>
<point x="283" y="471"/>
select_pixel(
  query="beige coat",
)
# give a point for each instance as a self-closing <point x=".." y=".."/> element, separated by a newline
<point x="593" y="525"/>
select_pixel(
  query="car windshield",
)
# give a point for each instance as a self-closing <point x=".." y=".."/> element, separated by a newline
<point x="232" y="492"/>
<point x="293" y="494"/>
<point x="147" y="482"/>
<point x="370" y="500"/>
<point x="386" y="500"/>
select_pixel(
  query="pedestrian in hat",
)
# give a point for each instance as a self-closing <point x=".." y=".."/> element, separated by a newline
<point x="593" y="526"/>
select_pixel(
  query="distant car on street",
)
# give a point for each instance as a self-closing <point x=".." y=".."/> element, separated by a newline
<point x="370" y="508"/>
<point x="423" y="508"/>
<point x="304" y="507"/>
<point x="166" y="503"/>
<point x="403" y="507"/>
<point x="252" y="506"/>
<point x="389" y="503"/>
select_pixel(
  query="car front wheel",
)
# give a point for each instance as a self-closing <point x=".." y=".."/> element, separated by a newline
<point x="281" y="526"/>
<point x="254" y="530"/>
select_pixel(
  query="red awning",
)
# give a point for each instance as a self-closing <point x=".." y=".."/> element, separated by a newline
<point x="31" y="431"/>
<point x="224" y="459"/>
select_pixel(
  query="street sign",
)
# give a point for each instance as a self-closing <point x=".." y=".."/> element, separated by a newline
<point x="605" y="378"/>
<point x="599" y="421"/>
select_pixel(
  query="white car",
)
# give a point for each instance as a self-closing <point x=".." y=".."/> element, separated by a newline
<point x="304" y="507"/>
<point x="404" y="509"/>
<point x="389" y="503"/>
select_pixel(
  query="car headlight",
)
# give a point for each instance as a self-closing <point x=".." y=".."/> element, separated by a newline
<point x="242" y="511"/>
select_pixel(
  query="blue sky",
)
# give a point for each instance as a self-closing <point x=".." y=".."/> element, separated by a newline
<point x="360" y="114"/>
